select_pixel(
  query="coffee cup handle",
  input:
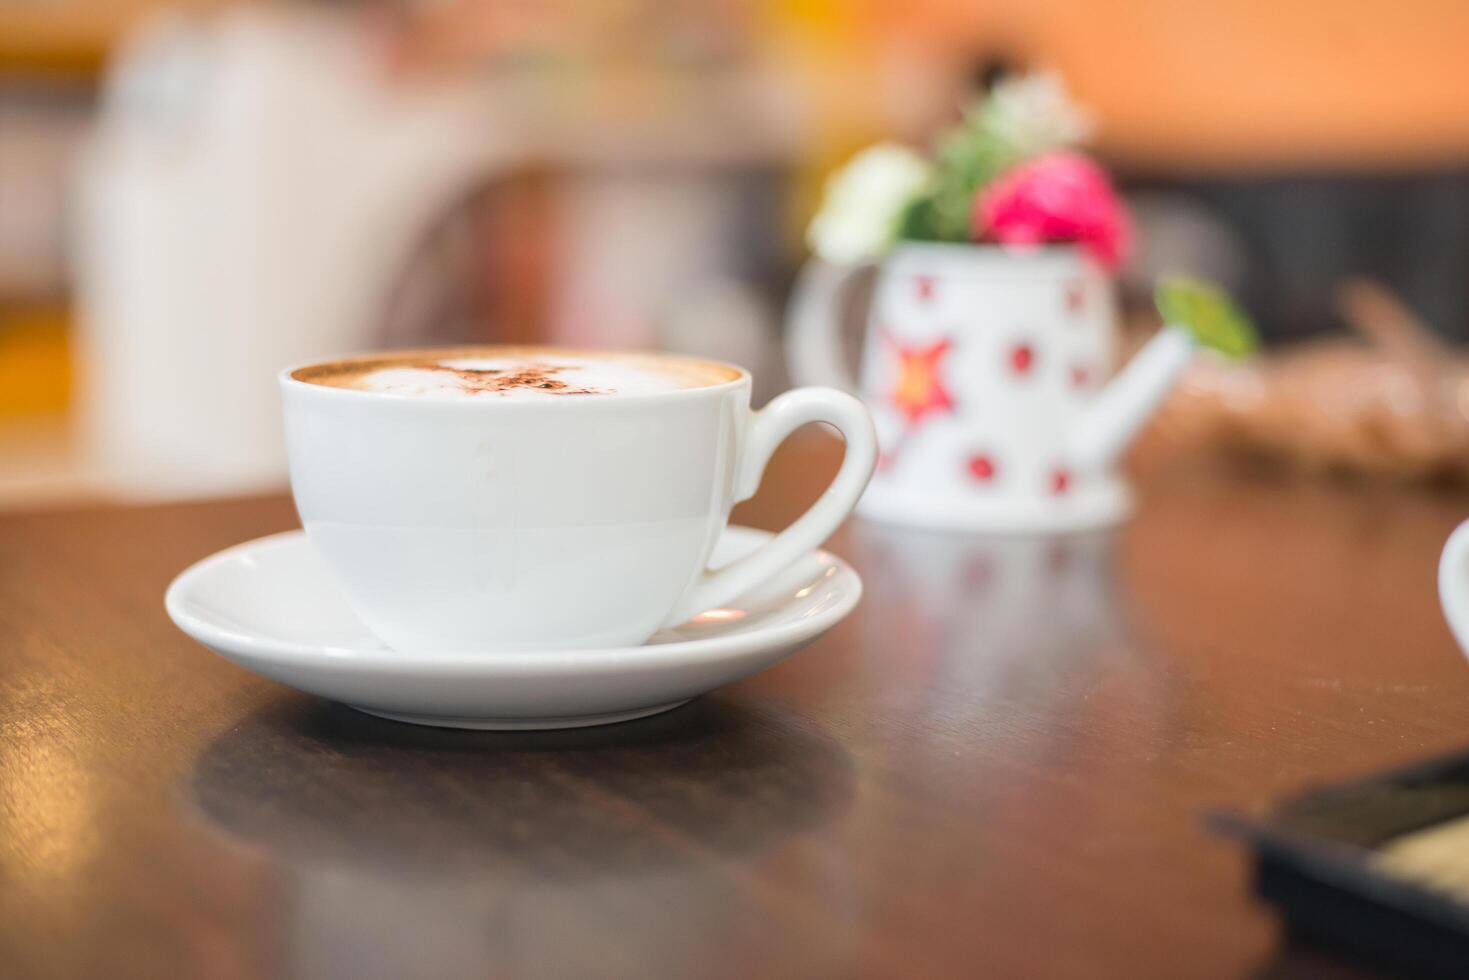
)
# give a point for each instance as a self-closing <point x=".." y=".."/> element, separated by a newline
<point x="768" y="429"/>
<point x="1453" y="584"/>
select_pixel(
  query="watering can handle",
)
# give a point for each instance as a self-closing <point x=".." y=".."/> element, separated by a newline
<point x="815" y="348"/>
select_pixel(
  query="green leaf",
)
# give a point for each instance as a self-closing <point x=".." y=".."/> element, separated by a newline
<point x="969" y="156"/>
<point x="917" y="222"/>
<point x="1208" y="312"/>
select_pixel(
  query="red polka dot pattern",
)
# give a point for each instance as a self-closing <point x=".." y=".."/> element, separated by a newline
<point x="979" y="572"/>
<point x="1022" y="358"/>
<point x="982" y="467"/>
<point x="1058" y="557"/>
<point x="1075" y="297"/>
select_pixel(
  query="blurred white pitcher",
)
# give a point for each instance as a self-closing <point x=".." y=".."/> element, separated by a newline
<point x="986" y="371"/>
<point x="255" y="182"/>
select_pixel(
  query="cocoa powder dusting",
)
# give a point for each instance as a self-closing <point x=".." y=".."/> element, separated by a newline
<point x="540" y="376"/>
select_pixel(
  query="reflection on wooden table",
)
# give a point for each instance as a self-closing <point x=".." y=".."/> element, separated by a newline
<point x="995" y="767"/>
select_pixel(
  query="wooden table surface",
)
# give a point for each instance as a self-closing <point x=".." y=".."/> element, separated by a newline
<point x="996" y="767"/>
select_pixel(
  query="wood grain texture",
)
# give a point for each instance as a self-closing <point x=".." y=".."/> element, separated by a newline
<point x="995" y="768"/>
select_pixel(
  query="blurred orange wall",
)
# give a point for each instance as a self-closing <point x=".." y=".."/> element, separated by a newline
<point x="1193" y="84"/>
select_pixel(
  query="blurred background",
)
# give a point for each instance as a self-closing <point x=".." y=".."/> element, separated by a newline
<point x="193" y="195"/>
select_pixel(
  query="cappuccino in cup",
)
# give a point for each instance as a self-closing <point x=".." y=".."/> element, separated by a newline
<point x="517" y="372"/>
<point x="526" y="498"/>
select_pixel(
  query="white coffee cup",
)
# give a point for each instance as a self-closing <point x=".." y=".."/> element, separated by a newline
<point x="1453" y="584"/>
<point x="518" y="524"/>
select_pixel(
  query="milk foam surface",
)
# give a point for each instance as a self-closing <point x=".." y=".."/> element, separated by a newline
<point x="529" y="375"/>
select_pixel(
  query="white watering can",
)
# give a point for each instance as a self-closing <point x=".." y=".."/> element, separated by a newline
<point x="989" y="373"/>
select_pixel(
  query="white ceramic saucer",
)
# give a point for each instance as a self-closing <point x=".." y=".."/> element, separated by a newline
<point x="272" y="607"/>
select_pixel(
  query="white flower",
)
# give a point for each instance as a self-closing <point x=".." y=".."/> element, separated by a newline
<point x="1034" y="114"/>
<point x="863" y="201"/>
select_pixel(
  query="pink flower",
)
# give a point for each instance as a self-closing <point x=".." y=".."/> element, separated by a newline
<point x="1058" y="197"/>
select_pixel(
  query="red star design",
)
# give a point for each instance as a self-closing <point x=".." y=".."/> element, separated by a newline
<point x="920" y="391"/>
<point x="1060" y="480"/>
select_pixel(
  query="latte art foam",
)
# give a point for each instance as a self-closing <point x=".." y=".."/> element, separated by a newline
<point x="512" y="377"/>
<point x="517" y="373"/>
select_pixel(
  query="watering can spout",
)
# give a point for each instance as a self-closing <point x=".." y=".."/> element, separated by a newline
<point x="1115" y="416"/>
